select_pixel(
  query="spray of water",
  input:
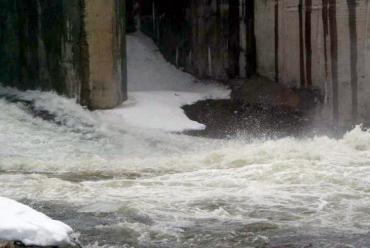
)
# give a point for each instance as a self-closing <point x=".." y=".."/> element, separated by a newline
<point x="169" y="190"/>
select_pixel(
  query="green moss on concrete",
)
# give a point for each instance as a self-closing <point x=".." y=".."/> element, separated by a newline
<point x="35" y="38"/>
<point x="44" y="45"/>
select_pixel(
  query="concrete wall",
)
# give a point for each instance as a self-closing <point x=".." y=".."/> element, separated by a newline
<point x="75" y="47"/>
<point x="319" y="44"/>
<point x="38" y="44"/>
<point x="308" y="44"/>
<point x="168" y="23"/>
<point x="208" y="38"/>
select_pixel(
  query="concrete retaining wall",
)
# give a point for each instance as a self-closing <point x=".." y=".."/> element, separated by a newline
<point x="319" y="44"/>
<point x="75" y="47"/>
<point x="308" y="44"/>
<point x="210" y="39"/>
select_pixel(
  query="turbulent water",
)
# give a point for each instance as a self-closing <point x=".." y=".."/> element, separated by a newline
<point x="124" y="187"/>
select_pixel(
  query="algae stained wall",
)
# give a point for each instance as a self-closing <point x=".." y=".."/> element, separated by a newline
<point x="48" y="45"/>
<point x="209" y="38"/>
<point x="39" y="44"/>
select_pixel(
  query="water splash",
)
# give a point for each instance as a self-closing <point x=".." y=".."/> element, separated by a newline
<point x="173" y="190"/>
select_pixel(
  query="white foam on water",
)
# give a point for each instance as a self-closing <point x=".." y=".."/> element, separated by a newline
<point x="314" y="181"/>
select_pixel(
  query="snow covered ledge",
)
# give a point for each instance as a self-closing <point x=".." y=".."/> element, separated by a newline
<point x="20" y="223"/>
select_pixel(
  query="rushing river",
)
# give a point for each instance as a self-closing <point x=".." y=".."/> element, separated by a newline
<point x="124" y="187"/>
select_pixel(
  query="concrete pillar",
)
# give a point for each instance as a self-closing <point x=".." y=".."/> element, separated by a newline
<point x="105" y="31"/>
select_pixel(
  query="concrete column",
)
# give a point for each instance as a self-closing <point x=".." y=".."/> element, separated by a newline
<point x="106" y="51"/>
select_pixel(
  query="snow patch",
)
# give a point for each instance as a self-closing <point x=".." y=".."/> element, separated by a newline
<point x="19" y="222"/>
<point x="157" y="90"/>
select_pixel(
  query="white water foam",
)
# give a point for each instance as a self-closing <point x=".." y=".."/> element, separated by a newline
<point x="316" y="182"/>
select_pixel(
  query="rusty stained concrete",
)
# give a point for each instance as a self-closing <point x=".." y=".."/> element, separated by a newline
<point x="319" y="44"/>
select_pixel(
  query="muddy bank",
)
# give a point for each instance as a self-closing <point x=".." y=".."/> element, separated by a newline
<point x="259" y="108"/>
<point x="230" y="118"/>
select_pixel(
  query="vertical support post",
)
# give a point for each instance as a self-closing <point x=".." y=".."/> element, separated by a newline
<point x="243" y="39"/>
<point x="251" y="59"/>
<point x="233" y="43"/>
<point x="104" y="27"/>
